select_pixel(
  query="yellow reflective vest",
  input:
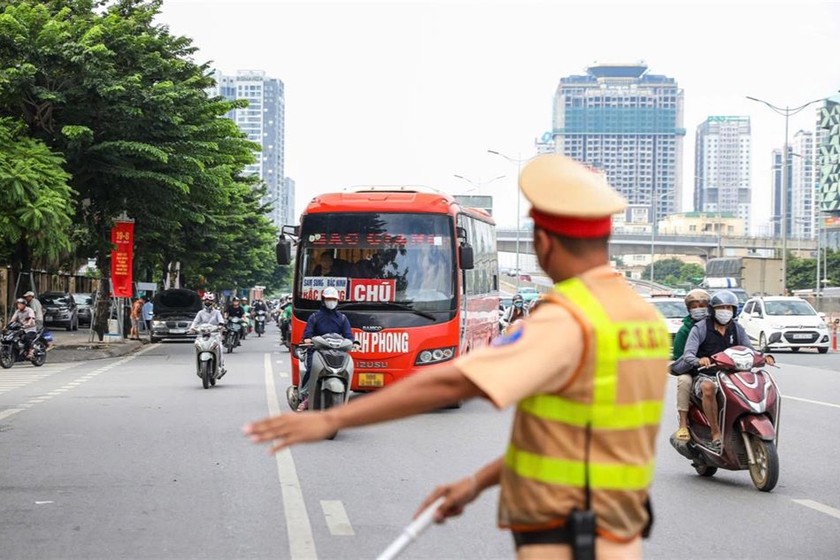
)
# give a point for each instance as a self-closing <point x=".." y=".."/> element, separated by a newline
<point x="618" y="390"/>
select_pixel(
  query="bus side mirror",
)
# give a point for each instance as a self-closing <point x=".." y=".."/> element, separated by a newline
<point x="465" y="256"/>
<point x="284" y="251"/>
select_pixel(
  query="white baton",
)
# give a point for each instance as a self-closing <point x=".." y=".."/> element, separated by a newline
<point x="412" y="531"/>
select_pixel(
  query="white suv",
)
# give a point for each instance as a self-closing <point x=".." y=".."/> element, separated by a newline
<point x="784" y="322"/>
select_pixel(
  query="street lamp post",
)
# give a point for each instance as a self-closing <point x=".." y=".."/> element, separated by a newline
<point x="787" y="112"/>
<point x="518" y="161"/>
<point x="653" y="232"/>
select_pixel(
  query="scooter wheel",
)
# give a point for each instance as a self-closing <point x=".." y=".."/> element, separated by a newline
<point x="292" y="397"/>
<point x="765" y="471"/>
<point x="705" y="470"/>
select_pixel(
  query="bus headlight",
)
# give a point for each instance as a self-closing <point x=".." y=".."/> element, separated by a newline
<point x="434" y="356"/>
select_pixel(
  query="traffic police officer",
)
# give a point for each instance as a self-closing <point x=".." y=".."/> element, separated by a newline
<point x="589" y="408"/>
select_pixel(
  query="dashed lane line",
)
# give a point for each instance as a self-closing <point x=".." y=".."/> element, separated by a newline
<point x="822" y="508"/>
<point x="298" y="527"/>
<point x="337" y="520"/>
<point x="68" y="386"/>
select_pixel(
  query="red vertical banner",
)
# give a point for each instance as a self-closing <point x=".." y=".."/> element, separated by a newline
<point x="122" y="257"/>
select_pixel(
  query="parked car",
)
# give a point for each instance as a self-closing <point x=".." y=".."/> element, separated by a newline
<point x="674" y="311"/>
<point x="84" y="305"/>
<point x="60" y="310"/>
<point x="173" y="312"/>
<point x="528" y="293"/>
<point x="784" y="322"/>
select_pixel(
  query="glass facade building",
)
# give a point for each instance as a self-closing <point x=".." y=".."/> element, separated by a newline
<point x="628" y="123"/>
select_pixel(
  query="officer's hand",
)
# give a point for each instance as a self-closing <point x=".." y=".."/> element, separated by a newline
<point x="457" y="495"/>
<point x="705" y="362"/>
<point x="285" y="430"/>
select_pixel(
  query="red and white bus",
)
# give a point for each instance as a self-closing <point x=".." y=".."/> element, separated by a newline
<point x="416" y="272"/>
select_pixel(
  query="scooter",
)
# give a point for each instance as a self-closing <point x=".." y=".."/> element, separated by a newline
<point x="208" y="355"/>
<point x="749" y="404"/>
<point x="13" y="346"/>
<point x="233" y="332"/>
<point x="259" y="322"/>
<point x="332" y="373"/>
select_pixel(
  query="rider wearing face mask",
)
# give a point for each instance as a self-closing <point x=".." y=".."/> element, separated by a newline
<point x="697" y="303"/>
<point x="515" y="312"/>
<point x="324" y="321"/>
<point x="708" y="337"/>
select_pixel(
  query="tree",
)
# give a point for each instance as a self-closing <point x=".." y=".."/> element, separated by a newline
<point x="35" y="199"/>
<point x="123" y="101"/>
<point x="663" y="269"/>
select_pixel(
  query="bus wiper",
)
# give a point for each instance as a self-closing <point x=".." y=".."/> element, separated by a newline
<point x="389" y="304"/>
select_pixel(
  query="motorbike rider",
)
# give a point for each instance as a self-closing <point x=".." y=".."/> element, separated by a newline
<point x="36" y="306"/>
<point x="708" y="337"/>
<point x="697" y="303"/>
<point x="26" y="317"/>
<point x="515" y="312"/>
<point x="324" y="321"/>
<point x="236" y="310"/>
<point x="209" y="315"/>
<point x="285" y="320"/>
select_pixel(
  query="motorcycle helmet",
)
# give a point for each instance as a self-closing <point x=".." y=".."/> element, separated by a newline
<point x="696" y="295"/>
<point x="518" y="301"/>
<point x="20" y="300"/>
<point x="724" y="297"/>
<point x="209" y="299"/>
<point x="329" y="293"/>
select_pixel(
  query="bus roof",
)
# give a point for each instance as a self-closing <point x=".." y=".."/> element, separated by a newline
<point x="388" y="198"/>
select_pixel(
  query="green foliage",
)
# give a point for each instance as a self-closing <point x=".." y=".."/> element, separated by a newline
<point x="123" y="101"/>
<point x="35" y="199"/>
<point x="802" y="273"/>
<point x="675" y="273"/>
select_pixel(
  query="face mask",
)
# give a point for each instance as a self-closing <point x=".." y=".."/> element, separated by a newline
<point x="699" y="313"/>
<point x="723" y="316"/>
<point x="518" y="304"/>
<point x="330" y="303"/>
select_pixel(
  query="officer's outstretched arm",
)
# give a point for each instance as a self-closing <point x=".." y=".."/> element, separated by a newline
<point x="437" y="387"/>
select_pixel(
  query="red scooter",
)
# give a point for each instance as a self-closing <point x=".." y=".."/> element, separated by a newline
<point x="748" y="405"/>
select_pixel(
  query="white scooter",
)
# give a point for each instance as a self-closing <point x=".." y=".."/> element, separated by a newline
<point x="208" y="355"/>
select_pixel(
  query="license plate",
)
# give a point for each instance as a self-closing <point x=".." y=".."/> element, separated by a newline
<point x="802" y="337"/>
<point x="371" y="379"/>
<point x="48" y="317"/>
<point x="177" y="331"/>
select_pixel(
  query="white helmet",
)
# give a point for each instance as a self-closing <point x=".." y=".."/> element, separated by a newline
<point x="329" y="293"/>
<point x="209" y="297"/>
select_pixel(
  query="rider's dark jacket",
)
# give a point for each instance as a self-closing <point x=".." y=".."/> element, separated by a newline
<point x="704" y="341"/>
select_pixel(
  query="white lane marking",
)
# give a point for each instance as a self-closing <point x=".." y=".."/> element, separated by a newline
<point x="298" y="527"/>
<point x="45" y="502"/>
<point x="48" y="396"/>
<point x="10" y="412"/>
<point x="810" y="401"/>
<point x="337" y="520"/>
<point x="822" y="508"/>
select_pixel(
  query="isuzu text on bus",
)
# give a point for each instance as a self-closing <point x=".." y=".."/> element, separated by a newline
<point x="417" y="277"/>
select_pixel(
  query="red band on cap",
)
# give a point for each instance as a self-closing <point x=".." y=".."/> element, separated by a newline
<point x="572" y="227"/>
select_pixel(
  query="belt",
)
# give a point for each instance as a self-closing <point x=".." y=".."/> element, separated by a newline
<point x="557" y="535"/>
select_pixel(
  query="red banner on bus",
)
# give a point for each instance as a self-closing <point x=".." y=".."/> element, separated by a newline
<point x="122" y="256"/>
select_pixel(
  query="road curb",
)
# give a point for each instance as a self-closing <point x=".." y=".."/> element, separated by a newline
<point x="91" y="351"/>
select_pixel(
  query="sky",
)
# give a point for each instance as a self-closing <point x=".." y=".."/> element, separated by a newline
<point x="402" y="92"/>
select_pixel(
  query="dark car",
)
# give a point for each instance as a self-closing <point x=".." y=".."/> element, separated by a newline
<point x="60" y="310"/>
<point x="84" y="306"/>
<point x="173" y="312"/>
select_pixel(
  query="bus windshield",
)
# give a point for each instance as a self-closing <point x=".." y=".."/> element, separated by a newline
<point x="380" y="259"/>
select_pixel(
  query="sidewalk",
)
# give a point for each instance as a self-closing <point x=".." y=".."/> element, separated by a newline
<point x="75" y="346"/>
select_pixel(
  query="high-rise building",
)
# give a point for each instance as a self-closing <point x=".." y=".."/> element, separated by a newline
<point x="802" y="185"/>
<point x="776" y="193"/>
<point x="263" y="122"/>
<point x="829" y="180"/>
<point x="287" y="215"/>
<point x="629" y="123"/>
<point x="722" y="156"/>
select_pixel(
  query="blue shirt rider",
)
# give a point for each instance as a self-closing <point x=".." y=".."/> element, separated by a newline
<point x="324" y="321"/>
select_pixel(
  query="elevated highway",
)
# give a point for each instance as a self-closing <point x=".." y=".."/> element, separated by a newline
<point x="706" y="246"/>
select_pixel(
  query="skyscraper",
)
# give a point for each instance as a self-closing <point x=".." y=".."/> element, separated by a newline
<point x="629" y="123"/>
<point x="722" y="157"/>
<point x="802" y="185"/>
<point x="263" y="122"/>
<point x="776" y="193"/>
